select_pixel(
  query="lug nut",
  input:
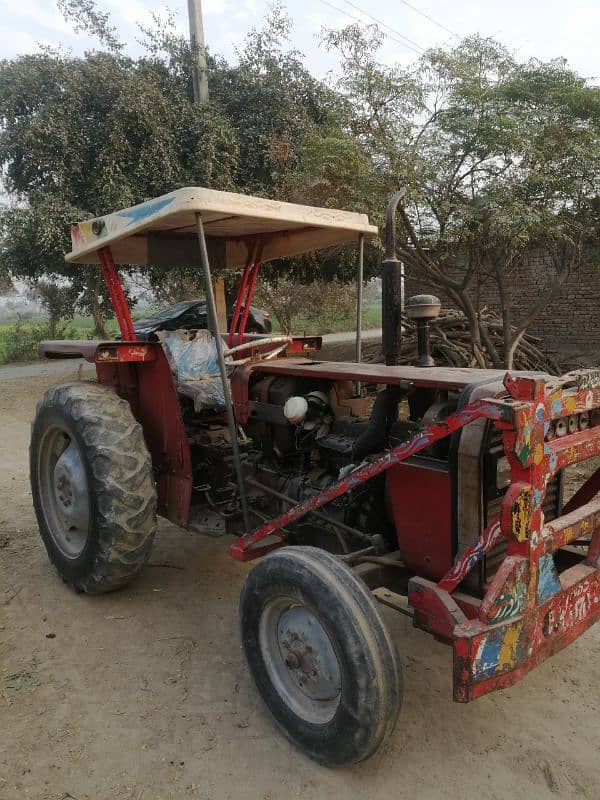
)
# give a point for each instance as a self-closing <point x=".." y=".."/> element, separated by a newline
<point x="561" y="426"/>
<point x="584" y="420"/>
<point x="573" y="423"/>
<point x="292" y="661"/>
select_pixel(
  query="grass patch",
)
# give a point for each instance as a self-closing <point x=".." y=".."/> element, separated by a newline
<point x="20" y="340"/>
<point x="23" y="679"/>
<point x="20" y="337"/>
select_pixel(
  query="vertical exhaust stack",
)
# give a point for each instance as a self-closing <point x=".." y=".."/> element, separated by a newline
<point x="422" y="308"/>
<point x="391" y="287"/>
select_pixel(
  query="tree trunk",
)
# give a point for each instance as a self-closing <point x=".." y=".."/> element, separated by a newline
<point x="232" y="283"/>
<point x="511" y="349"/>
<point x="95" y="308"/>
<point x="489" y="345"/>
<point x="510" y="342"/>
<point x="465" y="303"/>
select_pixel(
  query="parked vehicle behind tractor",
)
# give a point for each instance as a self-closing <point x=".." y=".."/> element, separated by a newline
<point x="191" y="315"/>
<point x="435" y="491"/>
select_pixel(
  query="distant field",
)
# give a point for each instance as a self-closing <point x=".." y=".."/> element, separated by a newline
<point x="371" y="318"/>
<point x="20" y="338"/>
<point x="84" y="325"/>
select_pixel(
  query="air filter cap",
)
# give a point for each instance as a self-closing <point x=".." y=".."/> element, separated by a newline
<point x="295" y="409"/>
<point x="423" y="306"/>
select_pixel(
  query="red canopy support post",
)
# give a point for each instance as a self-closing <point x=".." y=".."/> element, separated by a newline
<point x="249" y="296"/>
<point x="238" y="303"/>
<point x="117" y="295"/>
<point x="245" y="294"/>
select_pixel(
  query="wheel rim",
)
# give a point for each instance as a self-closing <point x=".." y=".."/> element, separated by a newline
<point x="64" y="491"/>
<point x="300" y="660"/>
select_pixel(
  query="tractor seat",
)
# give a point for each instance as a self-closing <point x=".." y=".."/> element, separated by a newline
<point x="192" y="357"/>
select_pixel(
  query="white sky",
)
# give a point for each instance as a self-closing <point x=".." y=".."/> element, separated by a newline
<point x="541" y="28"/>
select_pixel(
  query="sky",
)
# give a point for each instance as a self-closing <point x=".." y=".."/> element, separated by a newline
<point x="542" y="28"/>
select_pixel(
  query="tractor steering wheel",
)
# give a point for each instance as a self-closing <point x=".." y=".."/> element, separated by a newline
<point x="279" y="343"/>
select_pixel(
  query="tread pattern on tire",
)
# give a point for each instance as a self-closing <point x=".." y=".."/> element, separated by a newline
<point x="374" y="629"/>
<point x="122" y="482"/>
<point x="382" y="682"/>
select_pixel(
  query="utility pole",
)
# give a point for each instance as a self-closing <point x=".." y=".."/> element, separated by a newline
<point x="200" y="80"/>
<point x="200" y="74"/>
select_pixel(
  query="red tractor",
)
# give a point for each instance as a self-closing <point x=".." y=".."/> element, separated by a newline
<point x="435" y="491"/>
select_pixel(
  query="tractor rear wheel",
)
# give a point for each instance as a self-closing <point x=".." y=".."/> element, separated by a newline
<point x="92" y="486"/>
<point x="320" y="654"/>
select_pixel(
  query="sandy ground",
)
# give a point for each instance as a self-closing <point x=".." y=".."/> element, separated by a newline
<point x="143" y="695"/>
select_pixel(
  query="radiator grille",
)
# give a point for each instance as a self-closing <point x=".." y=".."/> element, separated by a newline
<point x="494" y="493"/>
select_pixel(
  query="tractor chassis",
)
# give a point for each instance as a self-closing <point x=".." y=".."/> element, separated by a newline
<point x="530" y="609"/>
<point x="464" y="531"/>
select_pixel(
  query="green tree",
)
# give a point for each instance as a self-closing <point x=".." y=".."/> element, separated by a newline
<point x="500" y="160"/>
<point x="80" y="136"/>
<point x="293" y="138"/>
<point x="6" y="284"/>
<point x="272" y="103"/>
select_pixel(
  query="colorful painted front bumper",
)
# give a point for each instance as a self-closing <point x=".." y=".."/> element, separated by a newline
<point x="531" y="609"/>
<point x="493" y="656"/>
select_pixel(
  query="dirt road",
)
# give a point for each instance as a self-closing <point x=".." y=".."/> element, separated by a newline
<point x="143" y="695"/>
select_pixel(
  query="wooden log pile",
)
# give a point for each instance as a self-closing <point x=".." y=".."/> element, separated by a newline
<point x="451" y="344"/>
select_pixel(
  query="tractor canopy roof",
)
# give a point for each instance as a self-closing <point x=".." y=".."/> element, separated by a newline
<point x="162" y="231"/>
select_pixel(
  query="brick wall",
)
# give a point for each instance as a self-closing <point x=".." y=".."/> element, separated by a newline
<point x="569" y="325"/>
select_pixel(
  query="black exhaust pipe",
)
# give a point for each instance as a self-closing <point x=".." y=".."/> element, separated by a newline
<point x="391" y="287"/>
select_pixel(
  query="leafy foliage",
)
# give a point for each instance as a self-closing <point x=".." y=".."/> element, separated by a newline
<point x="20" y="342"/>
<point x="82" y="135"/>
<point x="500" y="158"/>
<point x="321" y="304"/>
<point x="85" y="16"/>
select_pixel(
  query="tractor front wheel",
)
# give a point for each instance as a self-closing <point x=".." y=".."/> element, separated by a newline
<point x="92" y="486"/>
<point x="320" y="654"/>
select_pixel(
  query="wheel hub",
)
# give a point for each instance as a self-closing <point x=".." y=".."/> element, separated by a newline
<point x="308" y="654"/>
<point x="70" y="489"/>
<point x="300" y="659"/>
<point x="64" y="491"/>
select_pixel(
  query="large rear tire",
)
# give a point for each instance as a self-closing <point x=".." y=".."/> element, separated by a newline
<point x="92" y="486"/>
<point x="320" y="654"/>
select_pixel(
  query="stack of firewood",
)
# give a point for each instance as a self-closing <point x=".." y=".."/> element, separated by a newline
<point x="451" y="345"/>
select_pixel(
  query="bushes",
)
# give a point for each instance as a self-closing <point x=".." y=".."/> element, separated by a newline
<point x="330" y="305"/>
<point x="20" y="342"/>
<point x="320" y="307"/>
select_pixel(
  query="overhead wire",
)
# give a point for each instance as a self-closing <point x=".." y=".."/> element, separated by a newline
<point x="430" y="18"/>
<point x="408" y="44"/>
<point x="383" y="24"/>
